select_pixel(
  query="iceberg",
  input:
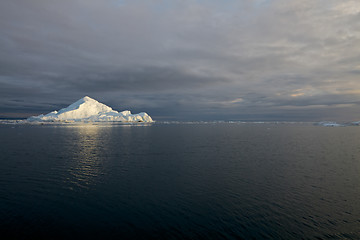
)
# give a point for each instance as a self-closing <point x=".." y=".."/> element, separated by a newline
<point x="89" y="110"/>
<point x="330" y="124"/>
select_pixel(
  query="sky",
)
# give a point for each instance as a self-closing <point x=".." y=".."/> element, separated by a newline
<point x="247" y="60"/>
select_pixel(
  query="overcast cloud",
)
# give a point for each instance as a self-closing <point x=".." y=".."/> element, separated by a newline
<point x="183" y="59"/>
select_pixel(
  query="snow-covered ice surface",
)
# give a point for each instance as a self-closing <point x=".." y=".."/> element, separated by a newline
<point x="87" y="109"/>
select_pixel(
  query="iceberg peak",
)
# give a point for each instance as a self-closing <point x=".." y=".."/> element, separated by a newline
<point x="84" y="100"/>
<point x="88" y="109"/>
<point x="87" y="98"/>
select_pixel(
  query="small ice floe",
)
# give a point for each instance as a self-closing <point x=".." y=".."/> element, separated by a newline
<point x="355" y="123"/>
<point x="330" y="124"/>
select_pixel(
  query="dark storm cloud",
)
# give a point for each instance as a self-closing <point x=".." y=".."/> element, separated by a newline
<point x="184" y="59"/>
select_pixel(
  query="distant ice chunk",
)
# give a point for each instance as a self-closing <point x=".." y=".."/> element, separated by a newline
<point x="330" y="124"/>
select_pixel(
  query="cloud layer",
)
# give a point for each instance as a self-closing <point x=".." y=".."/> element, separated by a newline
<point x="183" y="59"/>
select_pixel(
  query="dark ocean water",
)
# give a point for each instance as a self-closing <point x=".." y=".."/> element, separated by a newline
<point x="179" y="181"/>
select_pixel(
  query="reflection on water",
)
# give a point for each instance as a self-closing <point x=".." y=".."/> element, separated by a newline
<point x="87" y="149"/>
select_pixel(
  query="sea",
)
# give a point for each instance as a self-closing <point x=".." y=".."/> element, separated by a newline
<point x="213" y="180"/>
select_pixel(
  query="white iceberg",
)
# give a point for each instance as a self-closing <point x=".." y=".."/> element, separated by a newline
<point x="330" y="124"/>
<point x="88" y="109"/>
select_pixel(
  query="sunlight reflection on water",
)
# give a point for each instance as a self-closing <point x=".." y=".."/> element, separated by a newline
<point x="89" y="152"/>
<point x="87" y="165"/>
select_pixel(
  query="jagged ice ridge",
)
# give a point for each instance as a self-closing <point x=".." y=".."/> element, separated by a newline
<point x="88" y="109"/>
